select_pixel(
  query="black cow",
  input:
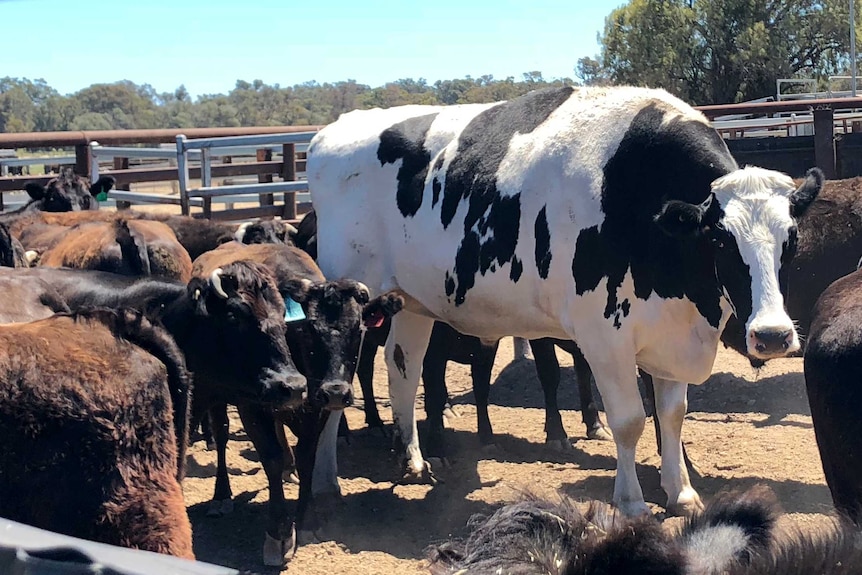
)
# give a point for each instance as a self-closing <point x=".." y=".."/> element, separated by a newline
<point x="68" y="192"/>
<point x="324" y="327"/>
<point x="735" y="535"/>
<point x="833" y="372"/>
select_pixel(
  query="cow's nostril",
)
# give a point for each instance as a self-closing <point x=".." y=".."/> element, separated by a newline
<point x="761" y="347"/>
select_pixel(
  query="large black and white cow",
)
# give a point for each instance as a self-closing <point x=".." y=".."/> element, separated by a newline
<point x="614" y="217"/>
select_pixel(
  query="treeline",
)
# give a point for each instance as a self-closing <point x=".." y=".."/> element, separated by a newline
<point x="34" y="106"/>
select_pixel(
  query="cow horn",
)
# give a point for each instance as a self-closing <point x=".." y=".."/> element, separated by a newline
<point x="240" y="231"/>
<point x="290" y="229"/>
<point x="31" y="256"/>
<point x="364" y="289"/>
<point x="215" y="280"/>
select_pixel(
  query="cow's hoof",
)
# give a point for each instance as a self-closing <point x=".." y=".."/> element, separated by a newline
<point x="439" y="462"/>
<point x="633" y="508"/>
<point x="289" y="476"/>
<point x="277" y="552"/>
<point x="560" y="445"/>
<point x="450" y="414"/>
<point x="220" y="508"/>
<point x="307" y="537"/>
<point x="423" y="476"/>
<point x="600" y="433"/>
<point x="686" y="505"/>
<point x="211" y="445"/>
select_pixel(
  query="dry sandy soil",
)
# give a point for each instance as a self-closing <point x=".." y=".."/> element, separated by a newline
<point x="743" y="427"/>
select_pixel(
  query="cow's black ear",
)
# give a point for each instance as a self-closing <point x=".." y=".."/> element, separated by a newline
<point x="806" y="193"/>
<point x="382" y="308"/>
<point x="297" y="289"/>
<point x="197" y="291"/>
<point x="102" y="185"/>
<point x="680" y="219"/>
<point x="35" y="190"/>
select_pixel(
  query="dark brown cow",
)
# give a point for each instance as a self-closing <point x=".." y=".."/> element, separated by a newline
<point x="91" y="406"/>
<point x="325" y="345"/>
<point x="128" y="247"/>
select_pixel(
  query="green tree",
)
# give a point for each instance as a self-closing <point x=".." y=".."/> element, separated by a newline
<point x="720" y="51"/>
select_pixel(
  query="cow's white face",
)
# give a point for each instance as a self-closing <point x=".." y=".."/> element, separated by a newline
<point x="755" y="236"/>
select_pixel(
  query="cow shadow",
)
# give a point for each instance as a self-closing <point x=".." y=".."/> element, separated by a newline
<point x="778" y="395"/>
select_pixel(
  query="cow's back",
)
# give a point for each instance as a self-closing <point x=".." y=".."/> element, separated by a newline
<point x="474" y="211"/>
<point x="88" y="433"/>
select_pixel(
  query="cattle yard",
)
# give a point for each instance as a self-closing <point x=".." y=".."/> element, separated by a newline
<point x="744" y="426"/>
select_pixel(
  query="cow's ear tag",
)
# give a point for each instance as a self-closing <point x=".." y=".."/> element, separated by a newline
<point x="292" y="310"/>
<point x="102" y="197"/>
<point x="376" y="319"/>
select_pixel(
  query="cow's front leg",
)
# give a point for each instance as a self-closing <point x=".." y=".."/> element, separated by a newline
<point x="405" y="351"/>
<point x="671" y="405"/>
<point x="280" y="543"/>
<point x="614" y="370"/>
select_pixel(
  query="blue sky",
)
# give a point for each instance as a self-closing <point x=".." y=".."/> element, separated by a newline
<point x="208" y="45"/>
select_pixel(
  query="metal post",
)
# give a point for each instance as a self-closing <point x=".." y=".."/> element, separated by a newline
<point x="853" y="48"/>
<point x="824" y="141"/>
<point x="206" y="180"/>
<point x="183" y="174"/>
<point x="94" y="161"/>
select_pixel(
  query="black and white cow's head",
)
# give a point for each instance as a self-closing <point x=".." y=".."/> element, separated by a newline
<point x="750" y="221"/>
<point x="68" y="192"/>
<point x="326" y="335"/>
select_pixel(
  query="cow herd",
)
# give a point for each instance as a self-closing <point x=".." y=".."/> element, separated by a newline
<point x="610" y="222"/>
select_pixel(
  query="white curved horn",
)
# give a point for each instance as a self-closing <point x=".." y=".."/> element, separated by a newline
<point x="215" y="280"/>
<point x="31" y="256"/>
<point x="289" y="228"/>
<point x="364" y="288"/>
<point x="240" y="231"/>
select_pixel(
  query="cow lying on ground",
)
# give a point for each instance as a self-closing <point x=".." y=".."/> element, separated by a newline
<point x="735" y="535"/>
<point x="833" y="371"/>
<point x="324" y="335"/>
<point x="513" y="218"/>
<point x="93" y="415"/>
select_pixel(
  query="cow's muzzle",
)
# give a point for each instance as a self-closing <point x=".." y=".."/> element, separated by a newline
<point x="770" y="342"/>
<point x="334" y="395"/>
<point x="283" y="390"/>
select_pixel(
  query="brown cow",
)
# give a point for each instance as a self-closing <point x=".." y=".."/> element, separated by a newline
<point x="90" y="406"/>
<point x="127" y="247"/>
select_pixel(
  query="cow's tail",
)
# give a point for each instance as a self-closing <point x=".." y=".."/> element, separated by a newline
<point x="132" y="326"/>
<point x="133" y="248"/>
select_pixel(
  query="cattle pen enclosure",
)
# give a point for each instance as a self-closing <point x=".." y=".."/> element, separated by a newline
<point x="744" y="427"/>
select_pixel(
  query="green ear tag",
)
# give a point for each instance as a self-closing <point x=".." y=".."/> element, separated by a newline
<point x="101" y="196"/>
<point x="292" y="311"/>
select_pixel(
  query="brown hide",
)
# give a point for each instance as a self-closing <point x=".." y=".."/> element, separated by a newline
<point x="282" y="259"/>
<point x="128" y="247"/>
<point x="89" y="445"/>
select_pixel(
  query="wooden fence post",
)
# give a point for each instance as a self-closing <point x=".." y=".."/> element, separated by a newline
<point x="265" y="155"/>
<point x="82" y="160"/>
<point x="288" y="174"/>
<point x="824" y="142"/>
<point x="122" y="164"/>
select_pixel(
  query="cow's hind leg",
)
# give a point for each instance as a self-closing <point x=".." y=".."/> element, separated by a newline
<point x="671" y="405"/>
<point x="548" y="370"/>
<point x="405" y="352"/>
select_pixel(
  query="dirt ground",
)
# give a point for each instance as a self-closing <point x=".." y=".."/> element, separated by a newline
<point x="744" y="427"/>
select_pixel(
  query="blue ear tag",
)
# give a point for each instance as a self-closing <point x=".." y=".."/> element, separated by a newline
<point x="292" y="311"/>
